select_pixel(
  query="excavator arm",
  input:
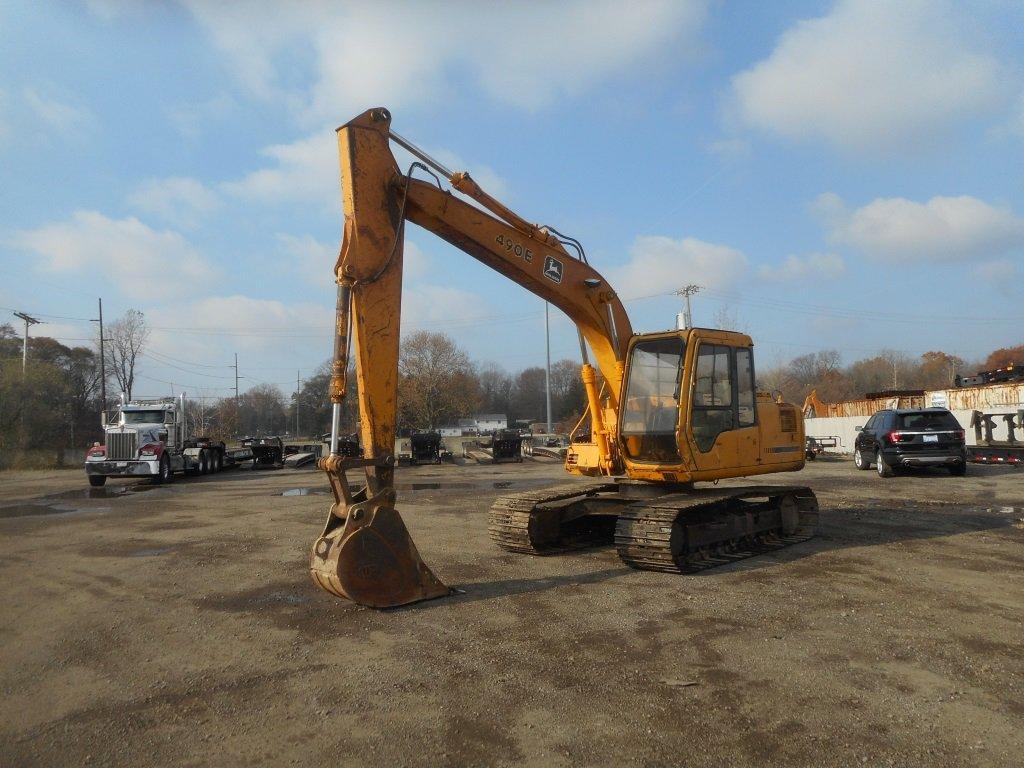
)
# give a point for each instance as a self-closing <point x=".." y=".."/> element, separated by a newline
<point x="365" y="552"/>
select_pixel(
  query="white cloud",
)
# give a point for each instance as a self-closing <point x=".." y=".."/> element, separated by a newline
<point x="660" y="264"/>
<point x="813" y="265"/>
<point x="942" y="229"/>
<point x="143" y="262"/>
<point x="177" y="200"/>
<point x="305" y="170"/>
<point x="400" y="54"/>
<point x="871" y="75"/>
<point x="248" y="323"/>
<point x="308" y="257"/>
<point x="56" y="114"/>
<point x="439" y="307"/>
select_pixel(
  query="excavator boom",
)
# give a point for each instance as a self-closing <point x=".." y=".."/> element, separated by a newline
<point x="365" y="552"/>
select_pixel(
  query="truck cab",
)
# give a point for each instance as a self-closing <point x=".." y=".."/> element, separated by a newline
<point x="147" y="438"/>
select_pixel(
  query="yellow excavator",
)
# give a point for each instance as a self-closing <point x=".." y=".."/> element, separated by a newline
<point x="664" y="410"/>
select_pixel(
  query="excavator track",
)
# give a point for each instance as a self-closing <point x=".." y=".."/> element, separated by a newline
<point x="520" y="522"/>
<point x="685" y="533"/>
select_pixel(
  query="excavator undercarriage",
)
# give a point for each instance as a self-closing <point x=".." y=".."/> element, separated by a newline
<point x="655" y="527"/>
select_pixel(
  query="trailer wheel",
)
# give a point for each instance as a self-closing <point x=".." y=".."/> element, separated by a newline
<point x="97" y="481"/>
<point x="204" y="462"/>
<point x="218" y="461"/>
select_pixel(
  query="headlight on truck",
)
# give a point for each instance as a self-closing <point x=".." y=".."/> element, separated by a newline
<point x="148" y="451"/>
<point x="97" y="451"/>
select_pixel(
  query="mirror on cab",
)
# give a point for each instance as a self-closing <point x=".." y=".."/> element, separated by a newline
<point x="858" y="429"/>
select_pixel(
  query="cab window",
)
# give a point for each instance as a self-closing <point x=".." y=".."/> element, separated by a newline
<point x="713" y="411"/>
<point x="746" y="391"/>
<point x="650" y="412"/>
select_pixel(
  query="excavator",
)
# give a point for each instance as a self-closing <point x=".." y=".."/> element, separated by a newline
<point x="664" y="410"/>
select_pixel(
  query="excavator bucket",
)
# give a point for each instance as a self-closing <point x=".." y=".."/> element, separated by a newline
<point x="366" y="555"/>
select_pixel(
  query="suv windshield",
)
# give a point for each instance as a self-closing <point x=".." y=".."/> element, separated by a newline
<point x="927" y="421"/>
<point x="143" y="417"/>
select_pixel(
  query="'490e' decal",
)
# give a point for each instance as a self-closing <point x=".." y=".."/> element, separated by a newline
<point x="552" y="266"/>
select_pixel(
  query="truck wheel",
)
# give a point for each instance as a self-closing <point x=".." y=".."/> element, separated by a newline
<point x="218" y="461"/>
<point x="97" y="481"/>
<point x="204" y="462"/>
<point x="166" y="475"/>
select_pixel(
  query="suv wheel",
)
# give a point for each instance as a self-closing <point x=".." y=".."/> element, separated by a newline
<point x="859" y="461"/>
<point x="884" y="470"/>
<point x="959" y="469"/>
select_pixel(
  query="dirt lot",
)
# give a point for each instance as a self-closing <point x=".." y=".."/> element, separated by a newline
<point x="178" y="625"/>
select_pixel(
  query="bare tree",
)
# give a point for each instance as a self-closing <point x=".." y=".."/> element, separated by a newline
<point x="436" y="380"/>
<point x="127" y="338"/>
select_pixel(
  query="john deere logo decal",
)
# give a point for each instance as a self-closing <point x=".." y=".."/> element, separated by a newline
<point x="553" y="269"/>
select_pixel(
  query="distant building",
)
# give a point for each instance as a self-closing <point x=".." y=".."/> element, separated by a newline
<point x="478" y="425"/>
<point x="488" y="422"/>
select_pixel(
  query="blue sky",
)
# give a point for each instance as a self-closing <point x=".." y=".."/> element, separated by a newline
<point x="836" y="175"/>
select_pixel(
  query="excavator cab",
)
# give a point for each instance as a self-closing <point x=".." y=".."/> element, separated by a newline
<point x="691" y="410"/>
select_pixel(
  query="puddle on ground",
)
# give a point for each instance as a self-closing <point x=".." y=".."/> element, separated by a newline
<point x="305" y="492"/>
<point x="39" y="510"/>
<point x="154" y="552"/>
<point x="104" y="493"/>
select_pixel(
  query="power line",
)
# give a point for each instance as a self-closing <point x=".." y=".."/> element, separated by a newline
<point x="179" y="368"/>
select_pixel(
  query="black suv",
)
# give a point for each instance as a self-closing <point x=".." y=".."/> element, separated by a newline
<point x="892" y="439"/>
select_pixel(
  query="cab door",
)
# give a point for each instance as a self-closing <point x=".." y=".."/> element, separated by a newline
<point x="723" y="414"/>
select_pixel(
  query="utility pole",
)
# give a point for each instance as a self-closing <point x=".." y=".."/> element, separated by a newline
<point x="103" y="366"/>
<point x="29" y="320"/>
<point x="236" y="379"/>
<point x="547" y="369"/>
<point x="687" y="291"/>
<point x="298" y="385"/>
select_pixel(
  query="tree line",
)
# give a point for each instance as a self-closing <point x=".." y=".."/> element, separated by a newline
<point x="825" y="372"/>
<point x="55" y="403"/>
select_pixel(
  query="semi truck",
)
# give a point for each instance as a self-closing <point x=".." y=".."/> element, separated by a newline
<point x="149" y="438"/>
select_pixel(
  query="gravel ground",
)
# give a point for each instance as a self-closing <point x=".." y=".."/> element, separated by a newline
<point x="177" y="625"/>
